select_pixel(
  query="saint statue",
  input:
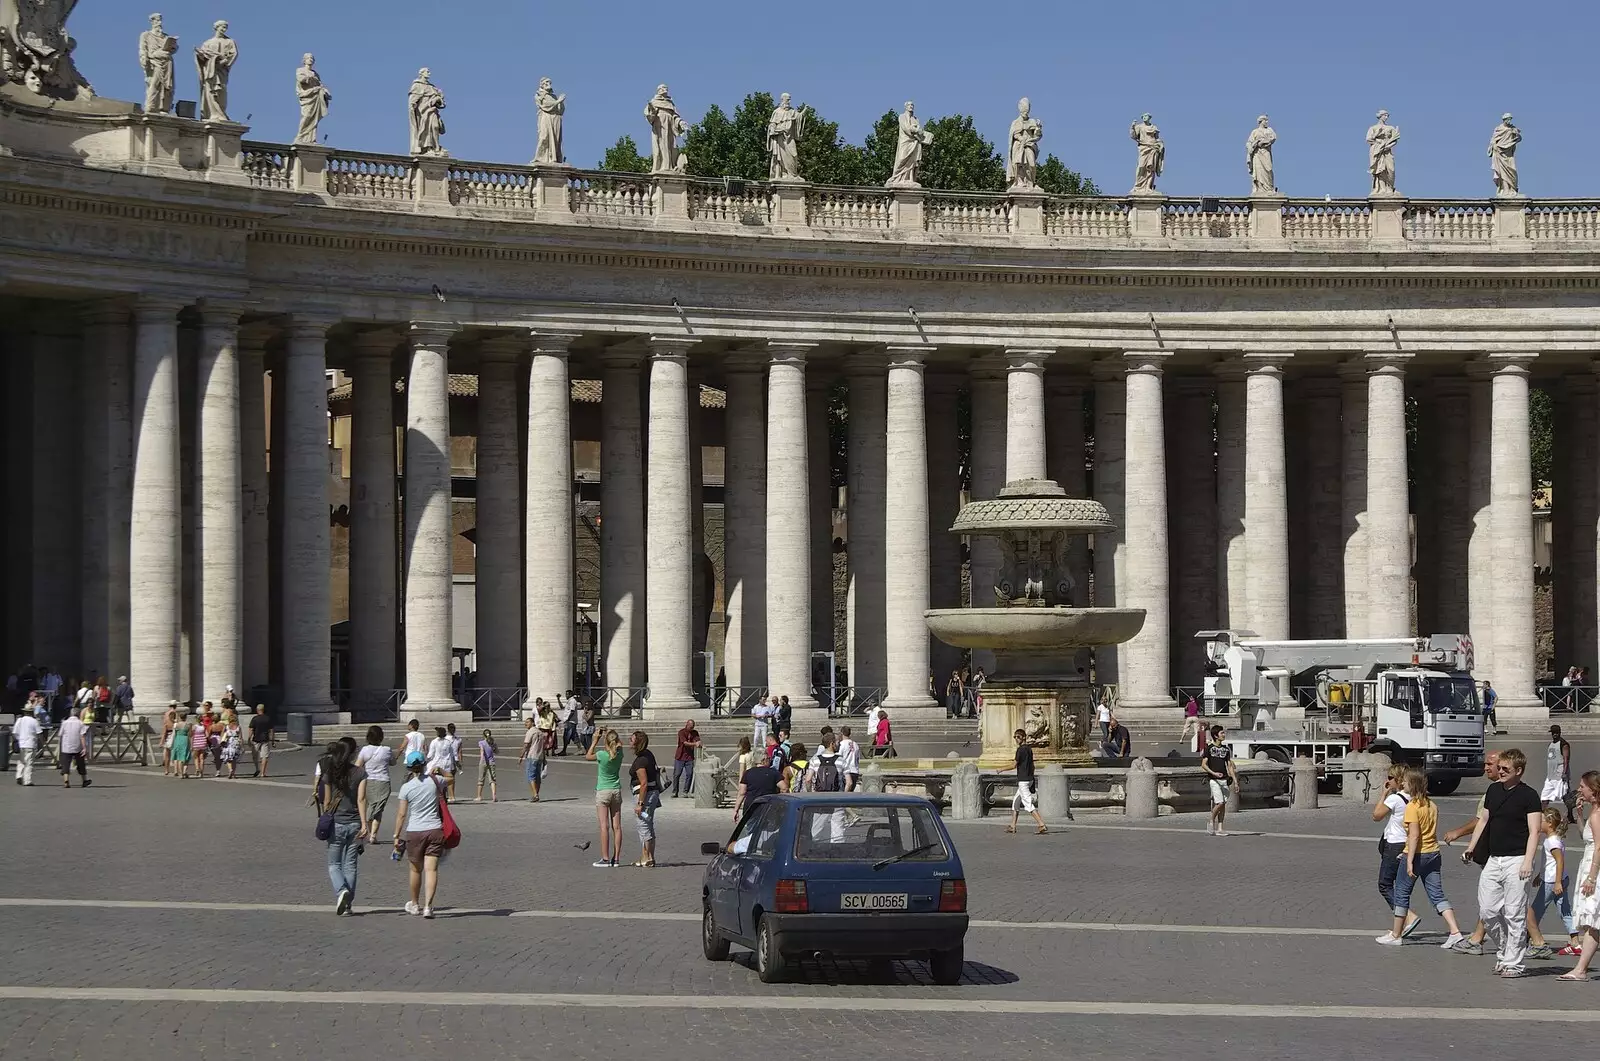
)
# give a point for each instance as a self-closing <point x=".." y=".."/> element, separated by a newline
<point x="784" y="129"/>
<point x="1152" y="154"/>
<point x="214" y="59"/>
<point x="1022" y="159"/>
<point x="314" y="99"/>
<point x="427" y="123"/>
<point x="908" y="150"/>
<point x="1381" y="139"/>
<point x="36" y="50"/>
<point x="551" y="108"/>
<point x="1503" y="156"/>
<point x="155" y="59"/>
<point x="666" y="125"/>
<point x="1258" y="158"/>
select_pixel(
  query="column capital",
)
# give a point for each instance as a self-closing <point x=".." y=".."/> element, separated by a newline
<point x="1507" y="363"/>
<point x="908" y="355"/>
<point x="430" y="333"/>
<point x="157" y="307"/>
<point x="1264" y="363"/>
<point x="1145" y="362"/>
<point x="552" y="344"/>
<point x="255" y="336"/>
<point x="671" y="347"/>
<point x="376" y="343"/>
<point x="1386" y="362"/>
<point x="1027" y="358"/>
<point x="220" y="312"/>
<point x="783" y="351"/>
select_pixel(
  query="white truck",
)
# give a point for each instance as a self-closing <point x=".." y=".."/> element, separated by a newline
<point x="1412" y="699"/>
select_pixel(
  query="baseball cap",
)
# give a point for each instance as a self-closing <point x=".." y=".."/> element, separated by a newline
<point x="415" y="759"/>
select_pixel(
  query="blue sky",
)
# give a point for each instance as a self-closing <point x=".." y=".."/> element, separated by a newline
<point x="1445" y="70"/>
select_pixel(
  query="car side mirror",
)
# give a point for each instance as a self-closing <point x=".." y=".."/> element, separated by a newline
<point x="710" y="848"/>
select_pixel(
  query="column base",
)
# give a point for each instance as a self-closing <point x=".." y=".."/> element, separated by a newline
<point x="917" y="706"/>
<point x="434" y="712"/>
<point x="1166" y="710"/>
<point x="321" y="714"/>
<point x="1520" y="710"/>
<point x="661" y="708"/>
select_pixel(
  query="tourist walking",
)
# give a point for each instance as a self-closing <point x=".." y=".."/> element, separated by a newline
<point x="1420" y="859"/>
<point x="342" y="792"/>
<point x="1558" y="774"/>
<point x="1505" y="842"/>
<point x="455" y="759"/>
<point x="955" y="695"/>
<point x="1491" y="771"/>
<point x="169" y="726"/>
<point x="547" y="723"/>
<point x="179" y="751"/>
<point x="486" y="753"/>
<point x="586" y="726"/>
<point x="744" y="758"/>
<point x="26" y="731"/>
<point x="1193" y="729"/>
<point x="1490" y="698"/>
<point x="121" y="699"/>
<point x="683" y="759"/>
<point x="761" y="779"/>
<point x="261" y="743"/>
<point x="569" y="720"/>
<point x="761" y="715"/>
<point x="1026" y="797"/>
<point x="1390" y="810"/>
<point x="849" y="759"/>
<point x="1221" y="776"/>
<point x="1102" y="715"/>
<point x="1555" y="883"/>
<point x="230" y="745"/>
<point x="412" y="741"/>
<point x="794" y="767"/>
<point x="1586" y="905"/>
<point x="374" y="760"/>
<point x="605" y="751"/>
<point x="422" y="823"/>
<point x="72" y="749"/>
<point x="883" y="738"/>
<point x="645" y="776"/>
<point x="535" y="757"/>
<point x="441" y="756"/>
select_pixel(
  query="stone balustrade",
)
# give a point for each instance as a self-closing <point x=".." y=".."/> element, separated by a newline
<point x="349" y="178"/>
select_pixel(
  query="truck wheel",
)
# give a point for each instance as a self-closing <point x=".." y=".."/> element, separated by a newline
<point x="1443" y="786"/>
<point x="946" y="965"/>
<point x="769" y="962"/>
<point x="711" y="941"/>
<point x="1277" y="755"/>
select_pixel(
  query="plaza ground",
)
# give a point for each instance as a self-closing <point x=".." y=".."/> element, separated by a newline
<point x="154" y="918"/>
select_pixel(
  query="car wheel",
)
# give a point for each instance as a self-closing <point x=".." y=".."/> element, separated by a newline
<point x="769" y="961"/>
<point x="946" y="966"/>
<point x="1443" y="786"/>
<point x="711" y="940"/>
<point x="881" y="969"/>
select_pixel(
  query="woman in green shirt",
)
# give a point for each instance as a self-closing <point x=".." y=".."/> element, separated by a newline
<point x="605" y="750"/>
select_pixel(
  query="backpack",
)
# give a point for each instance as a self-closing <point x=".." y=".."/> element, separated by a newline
<point x="828" y="778"/>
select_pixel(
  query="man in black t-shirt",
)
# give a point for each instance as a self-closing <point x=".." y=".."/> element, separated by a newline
<point x="760" y="780"/>
<point x="1504" y="843"/>
<point x="260" y="740"/>
<point x="1027" y="792"/>
<point x="1222" y="775"/>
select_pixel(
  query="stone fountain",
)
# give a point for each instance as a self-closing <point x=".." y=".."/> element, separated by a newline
<point x="1040" y="642"/>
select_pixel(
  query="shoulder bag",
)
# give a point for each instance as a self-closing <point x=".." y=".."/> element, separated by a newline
<point x="447" y="821"/>
<point x="325" y="819"/>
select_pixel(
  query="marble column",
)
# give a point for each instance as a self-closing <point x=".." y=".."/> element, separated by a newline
<point x="1066" y="463"/>
<point x="867" y="497"/>
<point x="1192" y="517"/>
<point x="1511" y="522"/>
<point x="987" y="476"/>
<point x="822" y="498"/>
<point x="1025" y="434"/>
<point x="16" y="461"/>
<point x="1353" y="519"/>
<point x="154" y="571"/>
<point x="788" y="512"/>
<point x="1233" y="561"/>
<point x="220" y="529"/>
<point x="1266" y="510"/>
<point x="622" y="560"/>
<point x="1110" y="471"/>
<point x="1448" y="488"/>
<point x="255" y="520"/>
<point x="1481" y="616"/>
<point x="56" y="563"/>
<point x="107" y="452"/>
<point x="374" y="564"/>
<point x="1143" y="581"/>
<point x="1388" y="499"/>
<point x="1320" y="542"/>
<point x="944" y="503"/>
<point x="497" y="583"/>
<point x="1563" y="439"/>
<point x="744" y="532"/>
<point x="669" y="532"/>
<point x="307" y="602"/>
<point x="906" y="552"/>
<point x="550" y="605"/>
<point x="1579" y="582"/>
<point x="430" y="533"/>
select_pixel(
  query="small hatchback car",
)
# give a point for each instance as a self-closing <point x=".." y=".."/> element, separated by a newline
<point x="855" y="876"/>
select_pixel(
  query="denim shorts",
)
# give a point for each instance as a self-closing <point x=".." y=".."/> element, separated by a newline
<point x="1429" y="868"/>
<point x="533" y="769"/>
<point x="646" y="818"/>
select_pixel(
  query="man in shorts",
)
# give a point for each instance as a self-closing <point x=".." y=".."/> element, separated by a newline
<point x="1222" y="775"/>
<point x="1026" y="797"/>
<point x="1558" y="775"/>
<point x="849" y="760"/>
<point x="261" y="742"/>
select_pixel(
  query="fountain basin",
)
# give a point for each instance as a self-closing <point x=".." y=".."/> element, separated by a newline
<point x="1033" y="630"/>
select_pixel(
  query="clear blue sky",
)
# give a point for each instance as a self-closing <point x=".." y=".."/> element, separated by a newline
<point x="1445" y="69"/>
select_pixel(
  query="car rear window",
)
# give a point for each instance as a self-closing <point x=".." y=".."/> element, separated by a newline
<point x="846" y="833"/>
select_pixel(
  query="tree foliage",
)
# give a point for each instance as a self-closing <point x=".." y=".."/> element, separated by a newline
<point x="1541" y="421"/>
<point x="1057" y="179"/>
<point x="623" y="157"/>
<point x="959" y="158"/>
<point x="720" y="146"/>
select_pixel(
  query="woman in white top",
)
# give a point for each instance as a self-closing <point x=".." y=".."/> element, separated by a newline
<point x="1391" y="811"/>
<point x="376" y="759"/>
<point x="1586" y="903"/>
<point x="441" y="756"/>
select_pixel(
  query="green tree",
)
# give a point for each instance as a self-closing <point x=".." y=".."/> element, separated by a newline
<point x="875" y="156"/>
<point x="623" y="157"/>
<point x="959" y="159"/>
<point x="1057" y="179"/>
<point x="1541" y="414"/>
<point x="824" y="156"/>
<point x="720" y="146"/>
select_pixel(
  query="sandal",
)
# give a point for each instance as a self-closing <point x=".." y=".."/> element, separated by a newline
<point x="642" y="864"/>
<point x="1042" y="830"/>
<point x="1011" y="828"/>
<point x="1574" y="978"/>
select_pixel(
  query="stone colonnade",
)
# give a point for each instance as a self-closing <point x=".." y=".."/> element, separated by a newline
<point x="1296" y="522"/>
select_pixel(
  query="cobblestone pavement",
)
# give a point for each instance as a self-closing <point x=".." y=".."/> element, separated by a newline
<point x="149" y="918"/>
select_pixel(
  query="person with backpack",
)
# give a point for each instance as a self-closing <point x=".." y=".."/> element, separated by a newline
<point x="823" y="774"/>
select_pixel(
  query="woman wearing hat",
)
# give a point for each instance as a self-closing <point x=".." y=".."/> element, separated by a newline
<point x="422" y="828"/>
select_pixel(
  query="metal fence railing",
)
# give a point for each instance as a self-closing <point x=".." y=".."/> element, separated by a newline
<point x="735" y="701"/>
<point x="847" y="699"/>
<point x="124" y="741"/>
<point x="1569" y="699"/>
<point x="496" y="704"/>
<point x="371" y="705"/>
<point x="619" y="702"/>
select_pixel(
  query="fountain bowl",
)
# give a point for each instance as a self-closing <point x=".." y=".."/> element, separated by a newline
<point x="1032" y="630"/>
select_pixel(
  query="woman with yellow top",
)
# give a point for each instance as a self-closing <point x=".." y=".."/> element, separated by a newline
<point x="1420" y="860"/>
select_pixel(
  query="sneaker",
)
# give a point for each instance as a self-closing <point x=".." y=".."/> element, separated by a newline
<point x="1466" y="946"/>
<point x="412" y="908"/>
<point x="1569" y="949"/>
<point x="604" y="863"/>
<point x="1389" y="939"/>
<point x="1513" y="972"/>
<point x="343" y="905"/>
<point x="87" y="782"/>
<point x="1541" y="952"/>
<point x="1411" y="926"/>
<point x="1453" y="942"/>
<point x="427" y="912"/>
<point x="1219" y="832"/>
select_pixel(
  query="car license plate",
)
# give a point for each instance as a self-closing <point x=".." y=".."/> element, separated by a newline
<point x="872" y="901"/>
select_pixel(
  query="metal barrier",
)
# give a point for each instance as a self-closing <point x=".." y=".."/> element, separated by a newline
<point x="732" y="701"/>
<point x="1569" y="699"/>
<point x="619" y="702"/>
<point x="371" y="705"/>
<point x="849" y="699"/>
<point x="125" y="741"/>
<point x="494" y="704"/>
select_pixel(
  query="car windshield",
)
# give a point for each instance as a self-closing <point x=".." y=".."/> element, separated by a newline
<point x="1452" y="696"/>
<point x="868" y="833"/>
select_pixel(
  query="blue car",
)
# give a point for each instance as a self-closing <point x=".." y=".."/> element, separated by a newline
<point x="854" y="876"/>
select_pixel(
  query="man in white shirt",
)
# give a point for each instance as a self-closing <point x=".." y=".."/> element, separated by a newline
<point x="72" y="746"/>
<point x="849" y="759"/>
<point x="27" y="732"/>
<point x="762" y="714"/>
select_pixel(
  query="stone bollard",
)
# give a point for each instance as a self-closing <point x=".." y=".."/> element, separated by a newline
<point x="966" y="794"/>
<point x="706" y="767"/>
<point x="1139" y="786"/>
<point x="1055" y="797"/>
<point x="1236" y="793"/>
<point x="1305" y="783"/>
<point x="872" y="777"/>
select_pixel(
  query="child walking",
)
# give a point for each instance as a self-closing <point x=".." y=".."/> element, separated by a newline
<point x="1555" y="887"/>
<point x="487" y="749"/>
